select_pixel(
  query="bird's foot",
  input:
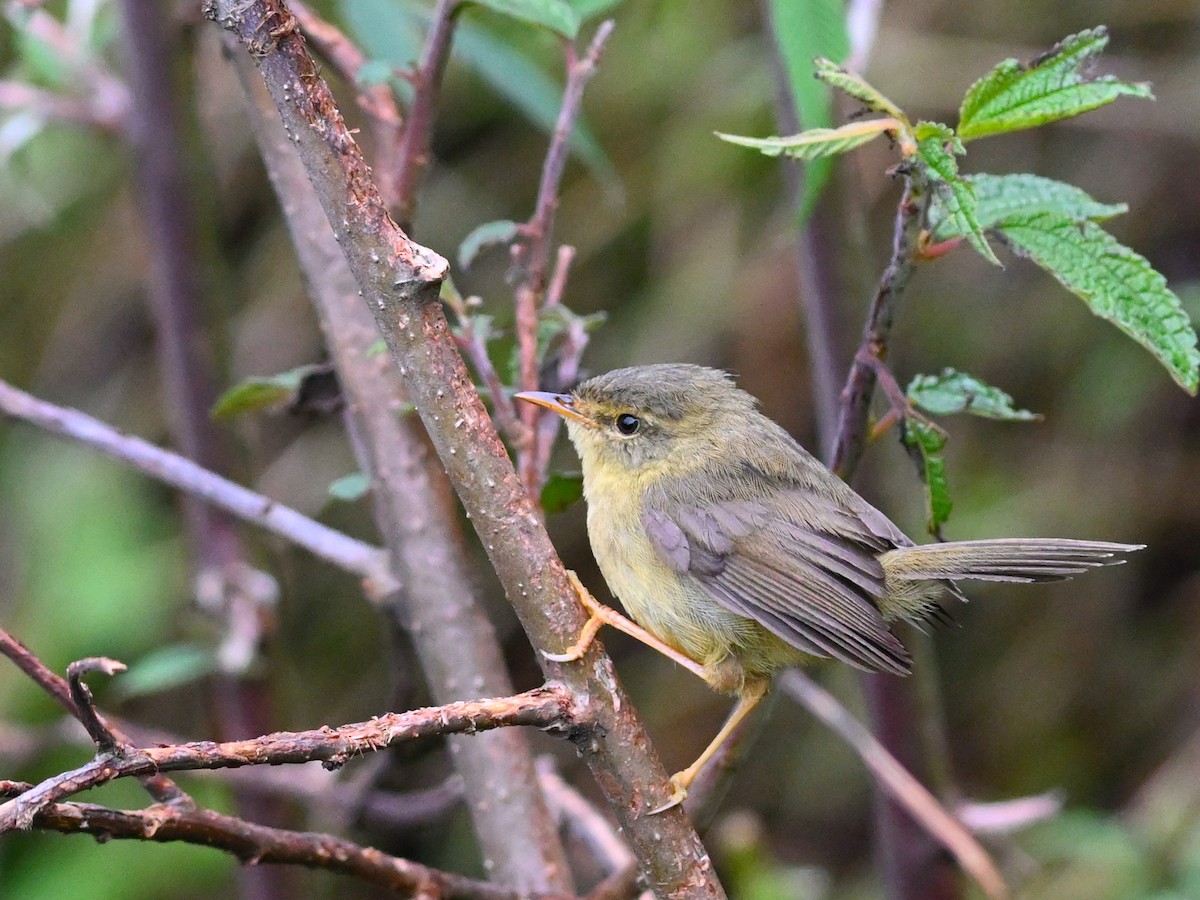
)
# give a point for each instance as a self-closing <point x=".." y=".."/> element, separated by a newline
<point x="598" y="615"/>
<point x="679" y="792"/>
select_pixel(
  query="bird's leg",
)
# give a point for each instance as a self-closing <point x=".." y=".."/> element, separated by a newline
<point x="751" y="696"/>
<point x="600" y="615"/>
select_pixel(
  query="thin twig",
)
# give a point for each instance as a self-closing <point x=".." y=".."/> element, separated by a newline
<point x="85" y="706"/>
<point x="258" y="844"/>
<point x="532" y="254"/>
<point x="545" y="707"/>
<point x="325" y="543"/>
<point x="413" y="154"/>
<point x="160" y="787"/>
<point x="896" y="780"/>
<point x="376" y="100"/>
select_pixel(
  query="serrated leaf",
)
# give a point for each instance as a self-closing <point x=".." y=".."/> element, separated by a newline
<point x="856" y="86"/>
<point x="937" y="147"/>
<point x="1013" y="96"/>
<point x="562" y="490"/>
<point x="350" y="487"/>
<point x="816" y="142"/>
<point x="957" y="392"/>
<point x="500" y="231"/>
<point x="258" y="393"/>
<point x="1117" y="284"/>
<point x="165" y="669"/>
<point x="999" y="197"/>
<point x="803" y="31"/>
<point x="555" y="15"/>
<point x="518" y="80"/>
<point x="926" y="442"/>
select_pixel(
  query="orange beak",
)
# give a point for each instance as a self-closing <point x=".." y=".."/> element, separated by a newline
<point x="563" y="404"/>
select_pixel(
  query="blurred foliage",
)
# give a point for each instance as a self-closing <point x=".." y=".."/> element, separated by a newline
<point x="1090" y="686"/>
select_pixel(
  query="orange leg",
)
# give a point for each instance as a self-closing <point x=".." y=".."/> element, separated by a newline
<point x="680" y="782"/>
<point x="600" y="615"/>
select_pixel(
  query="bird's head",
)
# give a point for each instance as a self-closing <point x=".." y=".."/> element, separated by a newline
<point x="639" y="419"/>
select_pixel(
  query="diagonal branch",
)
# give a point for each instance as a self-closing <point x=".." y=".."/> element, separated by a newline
<point x="323" y="542"/>
<point x="549" y="708"/>
<point x="400" y="281"/>
<point x="85" y="706"/>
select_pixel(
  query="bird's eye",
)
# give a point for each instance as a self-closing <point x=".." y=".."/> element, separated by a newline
<point x="628" y="424"/>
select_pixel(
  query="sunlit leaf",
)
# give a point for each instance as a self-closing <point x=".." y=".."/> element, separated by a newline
<point x="957" y="392"/>
<point x="1055" y="86"/>
<point x="1117" y="284"/>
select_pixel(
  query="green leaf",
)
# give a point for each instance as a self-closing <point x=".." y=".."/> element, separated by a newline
<point x="857" y="87"/>
<point x="816" y="142"/>
<point x="1055" y="86"/>
<point x="1117" y="284"/>
<point x="562" y="489"/>
<point x="499" y="232"/>
<point x="518" y="80"/>
<point x="555" y="15"/>
<point x="165" y="669"/>
<point x="957" y="392"/>
<point x="254" y="394"/>
<point x="379" y="348"/>
<point x="1000" y="197"/>
<point x="937" y="148"/>
<point x="804" y="30"/>
<point x="350" y="487"/>
<point x="926" y="442"/>
<point x="590" y="9"/>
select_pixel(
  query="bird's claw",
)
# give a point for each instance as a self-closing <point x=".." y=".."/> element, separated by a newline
<point x="679" y="793"/>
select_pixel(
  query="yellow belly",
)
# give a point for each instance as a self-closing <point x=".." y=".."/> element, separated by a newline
<point x="672" y="606"/>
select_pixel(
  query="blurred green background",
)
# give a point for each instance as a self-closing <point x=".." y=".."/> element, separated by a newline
<point x="1091" y="688"/>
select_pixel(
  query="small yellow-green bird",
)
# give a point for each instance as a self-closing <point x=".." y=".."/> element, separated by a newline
<point x="740" y="553"/>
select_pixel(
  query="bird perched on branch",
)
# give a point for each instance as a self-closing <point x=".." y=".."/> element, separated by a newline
<point x="739" y="553"/>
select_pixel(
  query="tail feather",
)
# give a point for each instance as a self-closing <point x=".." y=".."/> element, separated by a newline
<point x="1004" y="559"/>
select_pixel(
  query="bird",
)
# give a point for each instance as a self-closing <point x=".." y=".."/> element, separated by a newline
<point x="738" y="553"/>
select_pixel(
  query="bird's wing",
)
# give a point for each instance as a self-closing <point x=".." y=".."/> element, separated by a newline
<point x="811" y="580"/>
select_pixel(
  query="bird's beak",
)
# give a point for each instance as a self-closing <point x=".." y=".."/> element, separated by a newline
<point x="563" y="404"/>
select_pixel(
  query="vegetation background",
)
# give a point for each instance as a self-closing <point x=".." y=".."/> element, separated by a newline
<point x="1091" y="688"/>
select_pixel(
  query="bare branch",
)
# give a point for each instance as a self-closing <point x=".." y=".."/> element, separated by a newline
<point x="160" y="787"/>
<point x="323" y="542"/>
<point x="545" y="707"/>
<point x="258" y="844"/>
<point x="896" y="780"/>
<point x="85" y="707"/>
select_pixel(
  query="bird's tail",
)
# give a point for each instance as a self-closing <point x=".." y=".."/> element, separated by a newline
<point x="1004" y="559"/>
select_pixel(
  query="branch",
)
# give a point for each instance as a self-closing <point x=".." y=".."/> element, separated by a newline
<point x="440" y="604"/>
<point x="533" y="256"/>
<point x="400" y="281"/>
<point x="257" y="845"/>
<point x="332" y="546"/>
<point x="896" y="780"/>
<point x="160" y="787"/>
<point x="413" y="154"/>
<point x="99" y="732"/>
<point x="549" y="708"/>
